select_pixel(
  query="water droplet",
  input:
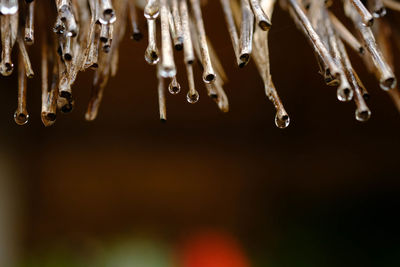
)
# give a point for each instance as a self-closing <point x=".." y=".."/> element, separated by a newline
<point x="174" y="87"/>
<point x="363" y="115"/>
<point x="344" y="94"/>
<point x="282" y="122"/>
<point x="21" y="118"/>
<point x="192" y="98"/>
<point x="151" y="57"/>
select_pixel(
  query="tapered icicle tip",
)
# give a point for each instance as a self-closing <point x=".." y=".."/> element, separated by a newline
<point x="21" y="118"/>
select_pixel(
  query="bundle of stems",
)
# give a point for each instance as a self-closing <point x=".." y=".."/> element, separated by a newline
<point x="87" y="34"/>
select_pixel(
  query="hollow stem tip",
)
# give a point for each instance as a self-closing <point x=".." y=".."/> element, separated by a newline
<point x="48" y="119"/>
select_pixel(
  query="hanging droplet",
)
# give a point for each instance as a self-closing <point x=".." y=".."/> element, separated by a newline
<point x="21" y="118"/>
<point x="344" y="94"/>
<point x="174" y="87"/>
<point x="363" y="115"/>
<point x="151" y="57"/>
<point x="192" y="98"/>
<point x="282" y="122"/>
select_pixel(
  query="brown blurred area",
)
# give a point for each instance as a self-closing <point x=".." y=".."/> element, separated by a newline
<point x="322" y="192"/>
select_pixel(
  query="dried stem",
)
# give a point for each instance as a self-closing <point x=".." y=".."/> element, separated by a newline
<point x="362" y="111"/>
<point x="208" y="74"/>
<point x="366" y="17"/>
<point x="161" y="97"/>
<point x="187" y="40"/>
<point x="263" y="21"/>
<point x="261" y="59"/>
<point x="49" y="98"/>
<point x="301" y="19"/>
<point x="21" y="115"/>
<point x="246" y="32"/>
<point x="177" y="22"/>
<point x="192" y="96"/>
<point x="167" y="69"/>
<point x="29" y="23"/>
<point x="384" y="73"/>
<point x="226" y="7"/>
<point x="346" y="35"/>
<point x="136" y="33"/>
<point x="25" y="57"/>
<point x="151" y="54"/>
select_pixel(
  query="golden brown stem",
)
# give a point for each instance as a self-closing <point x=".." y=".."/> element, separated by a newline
<point x="25" y="57"/>
<point x="161" y="97"/>
<point x="21" y="115"/>
<point x="29" y="24"/>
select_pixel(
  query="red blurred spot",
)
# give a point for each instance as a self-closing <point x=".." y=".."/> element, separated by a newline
<point x="212" y="249"/>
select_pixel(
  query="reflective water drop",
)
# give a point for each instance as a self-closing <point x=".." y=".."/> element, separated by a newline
<point x="192" y="98"/>
<point x="21" y="118"/>
<point x="174" y="87"/>
<point x="363" y="115"/>
<point x="282" y="122"/>
<point x="151" y="57"/>
<point x="344" y="94"/>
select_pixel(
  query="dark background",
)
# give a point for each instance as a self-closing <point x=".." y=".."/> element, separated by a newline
<point x="323" y="192"/>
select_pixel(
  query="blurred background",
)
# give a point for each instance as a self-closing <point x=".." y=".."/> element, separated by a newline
<point x="205" y="188"/>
